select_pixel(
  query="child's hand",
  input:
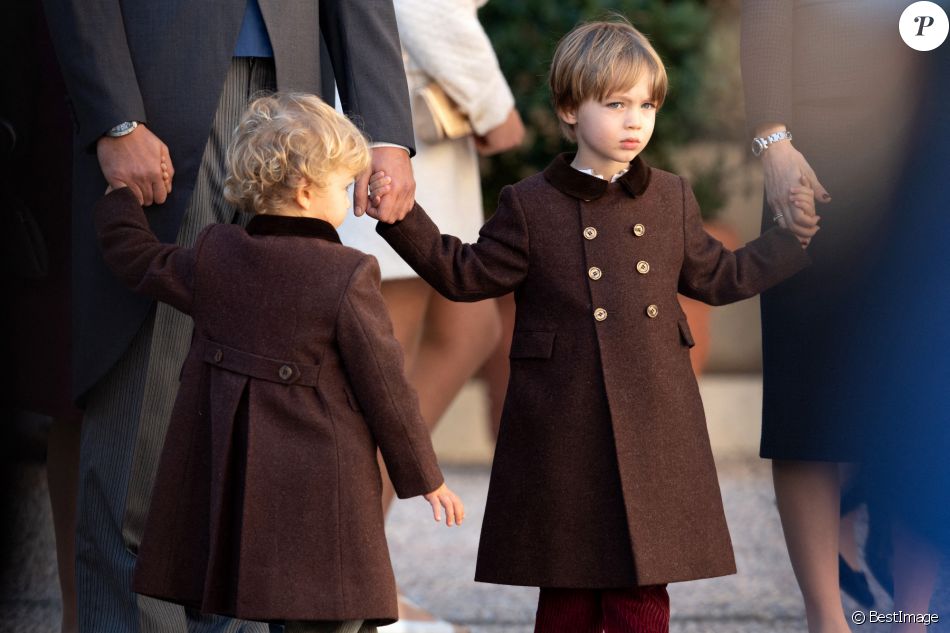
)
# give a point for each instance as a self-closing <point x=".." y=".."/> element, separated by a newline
<point x="806" y="221"/>
<point x="442" y="497"/>
<point x="379" y="186"/>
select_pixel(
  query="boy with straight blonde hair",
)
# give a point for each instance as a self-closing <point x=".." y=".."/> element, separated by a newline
<point x="267" y="502"/>
<point x="603" y="486"/>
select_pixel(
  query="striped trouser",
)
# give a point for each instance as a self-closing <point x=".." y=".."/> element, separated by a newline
<point x="124" y="426"/>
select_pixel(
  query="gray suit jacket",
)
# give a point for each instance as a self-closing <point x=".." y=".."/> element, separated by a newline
<point x="164" y="63"/>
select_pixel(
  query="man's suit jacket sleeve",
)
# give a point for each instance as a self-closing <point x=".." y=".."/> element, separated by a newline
<point x="89" y="37"/>
<point x="363" y="43"/>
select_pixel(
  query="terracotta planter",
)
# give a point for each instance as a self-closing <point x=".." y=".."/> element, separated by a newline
<point x="697" y="313"/>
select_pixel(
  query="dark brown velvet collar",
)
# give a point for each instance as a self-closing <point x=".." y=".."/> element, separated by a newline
<point x="569" y="181"/>
<point x="292" y="226"/>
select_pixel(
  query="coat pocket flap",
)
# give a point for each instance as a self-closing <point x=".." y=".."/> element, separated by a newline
<point x="532" y="345"/>
<point x="685" y="335"/>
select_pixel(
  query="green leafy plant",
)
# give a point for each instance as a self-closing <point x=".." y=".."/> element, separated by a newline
<point x="525" y="33"/>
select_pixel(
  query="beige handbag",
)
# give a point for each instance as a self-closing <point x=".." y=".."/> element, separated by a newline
<point x="436" y="117"/>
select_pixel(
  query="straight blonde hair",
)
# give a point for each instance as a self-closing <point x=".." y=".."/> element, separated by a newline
<point x="597" y="59"/>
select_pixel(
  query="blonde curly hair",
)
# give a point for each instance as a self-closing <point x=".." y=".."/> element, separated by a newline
<point x="287" y="140"/>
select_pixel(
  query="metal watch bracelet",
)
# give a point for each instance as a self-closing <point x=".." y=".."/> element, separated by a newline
<point x="126" y="127"/>
<point x="760" y="144"/>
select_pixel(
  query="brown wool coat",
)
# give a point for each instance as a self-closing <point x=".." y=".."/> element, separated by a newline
<point x="267" y="499"/>
<point x="603" y="474"/>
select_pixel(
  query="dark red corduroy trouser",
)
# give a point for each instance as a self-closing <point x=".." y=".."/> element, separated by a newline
<point x="638" y="610"/>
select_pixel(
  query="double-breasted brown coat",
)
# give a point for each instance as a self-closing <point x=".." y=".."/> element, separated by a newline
<point x="267" y="499"/>
<point x="603" y="474"/>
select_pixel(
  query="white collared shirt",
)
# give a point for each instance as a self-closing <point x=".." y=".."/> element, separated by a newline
<point x="590" y="172"/>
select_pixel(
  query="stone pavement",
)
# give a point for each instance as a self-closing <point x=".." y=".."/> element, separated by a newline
<point x="435" y="565"/>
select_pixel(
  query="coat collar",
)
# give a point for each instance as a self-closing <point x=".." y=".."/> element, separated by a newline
<point x="292" y="226"/>
<point x="577" y="184"/>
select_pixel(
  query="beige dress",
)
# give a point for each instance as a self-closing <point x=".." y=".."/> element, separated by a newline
<point x="443" y="41"/>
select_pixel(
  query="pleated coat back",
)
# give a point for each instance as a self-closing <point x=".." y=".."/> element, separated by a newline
<point x="267" y="500"/>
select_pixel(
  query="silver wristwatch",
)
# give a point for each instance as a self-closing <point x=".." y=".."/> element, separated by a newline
<point x="760" y="144"/>
<point x="126" y="127"/>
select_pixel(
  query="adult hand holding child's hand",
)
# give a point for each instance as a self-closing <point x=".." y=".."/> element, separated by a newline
<point x="442" y="497"/>
<point x="394" y="161"/>
<point x="139" y="161"/>
<point x="785" y="168"/>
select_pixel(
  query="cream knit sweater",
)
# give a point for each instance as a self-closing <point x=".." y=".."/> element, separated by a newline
<point x="443" y="41"/>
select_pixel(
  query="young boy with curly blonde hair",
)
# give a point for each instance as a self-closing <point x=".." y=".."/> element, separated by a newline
<point x="267" y="499"/>
<point x="603" y="486"/>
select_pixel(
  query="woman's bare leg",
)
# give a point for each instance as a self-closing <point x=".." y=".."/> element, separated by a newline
<point x="916" y="562"/>
<point x="407" y="301"/>
<point x="444" y="344"/>
<point x="456" y="340"/>
<point x="808" y="495"/>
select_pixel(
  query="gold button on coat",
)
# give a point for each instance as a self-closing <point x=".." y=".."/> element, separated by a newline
<point x="639" y="230"/>
<point x="652" y="311"/>
<point x="643" y="267"/>
<point x="600" y="314"/>
<point x="590" y="232"/>
<point x="595" y="273"/>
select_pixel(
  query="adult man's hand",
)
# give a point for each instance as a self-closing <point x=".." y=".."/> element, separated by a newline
<point x="394" y="206"/>
<point x="139" y="161"/>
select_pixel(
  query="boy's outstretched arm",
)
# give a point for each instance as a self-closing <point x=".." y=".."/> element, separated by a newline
<point x="493" y="266"/>
<point x="714" y="274"/>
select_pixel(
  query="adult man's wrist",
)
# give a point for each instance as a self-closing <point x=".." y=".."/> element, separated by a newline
<point x="379" y="144"/>
<point x="122" y="129"/>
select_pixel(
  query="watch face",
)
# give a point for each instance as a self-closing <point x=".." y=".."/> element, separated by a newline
<point x="758" y="145"/>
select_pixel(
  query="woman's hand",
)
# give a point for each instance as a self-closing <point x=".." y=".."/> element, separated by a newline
<point x="786" y="169"/>
<point x="502" y="138"/>
<point x="442" y="497"/>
